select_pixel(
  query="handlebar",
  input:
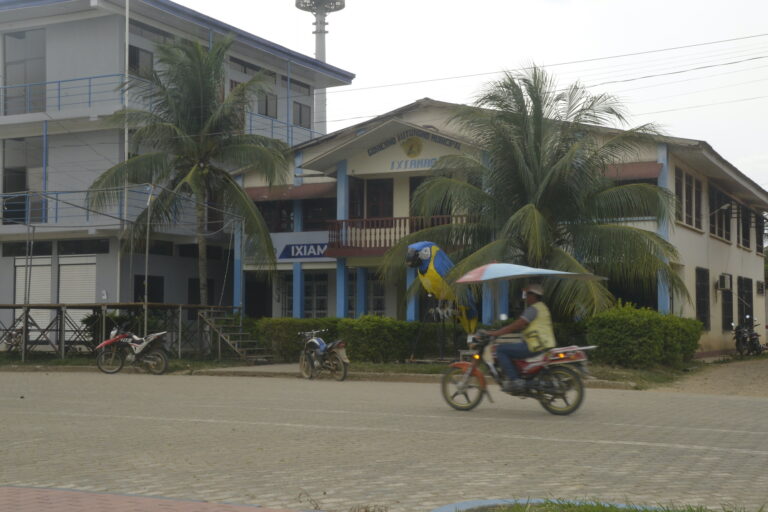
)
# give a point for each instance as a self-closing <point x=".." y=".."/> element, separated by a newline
<point x="311" y="334"/>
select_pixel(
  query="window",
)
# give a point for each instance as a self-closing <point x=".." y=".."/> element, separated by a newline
<point x="161" y="248"/>
<point x="744" y="297"/>
<point x="156" y="288"/>
<point x="759" y="233"/>
<point x="213" y="252"/>
<point x="379" y="198"/>
<point x="317" y="212"/>
<point x="20" y="249"/>
<point x="267" y="104"/>
<point x="22" y="172"/>
<point x="375" y="296"/>
<point x="727" y="300"/>
<point x="315" y="295"/>
<point x="278" y="215"/>
<point x="285" y="295"/>
<point x="140" y="62"/>
<point x="745" y="226"/>
<point x="151" y="33"/>
<point x="302" y="115"/>
<point x="719" y="214"/>
<point x="356" y="198"/>
<point x="89" y="246"/>
<point x="688" y="193"/>
<point x="298" y="88"/>
<point x="702" y="296"/>
<point x="24" y="65"/>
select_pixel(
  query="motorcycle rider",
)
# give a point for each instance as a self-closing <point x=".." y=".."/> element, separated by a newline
<point x="538" y="335"/>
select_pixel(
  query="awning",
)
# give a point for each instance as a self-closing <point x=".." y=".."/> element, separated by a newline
<point x="290" y="192"/>
<point x="633" y="171"/>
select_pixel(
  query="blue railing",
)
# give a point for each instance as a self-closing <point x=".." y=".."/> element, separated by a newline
<point x="69" y="208"/>
<point x="92" y="91"/>
<point x="61" y="94"/>
<point x="266" y="126"/>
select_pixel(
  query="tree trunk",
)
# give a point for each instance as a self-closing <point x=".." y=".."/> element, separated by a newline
<point x="202" y="253"/>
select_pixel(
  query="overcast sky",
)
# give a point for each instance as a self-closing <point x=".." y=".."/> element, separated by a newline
<point x="437" y="42"/>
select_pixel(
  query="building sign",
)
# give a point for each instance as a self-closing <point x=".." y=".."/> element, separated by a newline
<point x="410" y="140"/>
<point x="295" y="251"/>
<point x="418" y="163"/>
<point x="304" y="246"/>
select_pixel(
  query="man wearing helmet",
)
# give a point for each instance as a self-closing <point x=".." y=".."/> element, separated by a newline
<point x="536" y="325"/>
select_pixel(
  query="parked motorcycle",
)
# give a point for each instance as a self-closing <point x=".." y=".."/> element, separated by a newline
<point x="746" y="339"/>
<point x="318" y="356"/>
<point x="122" y="347"/>
<point x="553" y="377"/>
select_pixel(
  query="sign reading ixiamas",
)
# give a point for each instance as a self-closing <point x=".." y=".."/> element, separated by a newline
<point x="303" y="251"/>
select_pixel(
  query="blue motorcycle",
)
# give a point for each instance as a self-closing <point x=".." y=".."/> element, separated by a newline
<point x="318" y="356"/>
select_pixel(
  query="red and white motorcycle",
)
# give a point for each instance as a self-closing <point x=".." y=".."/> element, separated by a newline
<point x="122" y="347"/>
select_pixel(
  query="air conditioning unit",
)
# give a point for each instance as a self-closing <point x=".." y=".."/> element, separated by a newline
<point x="761" y="287"/>
<point x="725" y="282"/>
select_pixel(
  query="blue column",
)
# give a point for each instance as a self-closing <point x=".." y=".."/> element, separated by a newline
<point x="412" y="308"/>
<point x="288" y="106"/>
<point x="298" y="272"/>
<point x="342" y="191"/>
<point x="237" y="256"/>
<point x="361" y="291"/>
<point x="298" y="291"/>
<point x="45" y="170"/>
<point x="237" y="276"/>
<point x="487" y="304"/>
<point x="662" y="289"/>
<point x="341" y="288"/>
<point x="298" y="172"/>
<point x="503" y="297"/>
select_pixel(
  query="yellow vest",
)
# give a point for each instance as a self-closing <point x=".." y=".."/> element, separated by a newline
<point x="538" y="335"/>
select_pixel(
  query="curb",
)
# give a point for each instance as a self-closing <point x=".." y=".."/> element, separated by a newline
<point x="590" y="383"/>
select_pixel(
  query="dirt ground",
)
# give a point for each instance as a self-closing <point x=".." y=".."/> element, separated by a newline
<point x="748" y="377"/>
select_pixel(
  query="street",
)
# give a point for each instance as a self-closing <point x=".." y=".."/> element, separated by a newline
<point x="298" y="444"/>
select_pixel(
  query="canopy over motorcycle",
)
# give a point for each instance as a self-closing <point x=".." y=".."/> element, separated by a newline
<point x="505" y="271"/>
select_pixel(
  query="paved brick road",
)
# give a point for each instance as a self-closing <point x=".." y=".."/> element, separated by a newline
<point x="291" y="443"/>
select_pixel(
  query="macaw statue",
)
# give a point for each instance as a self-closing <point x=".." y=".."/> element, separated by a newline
<point x="432" y="266"/>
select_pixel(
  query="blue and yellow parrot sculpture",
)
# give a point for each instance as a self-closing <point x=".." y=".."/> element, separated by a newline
<point x="432" y="266"/>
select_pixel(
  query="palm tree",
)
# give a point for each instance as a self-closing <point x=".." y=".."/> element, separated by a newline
<point x="538" y="194"/>
<point x="193" y="141"/>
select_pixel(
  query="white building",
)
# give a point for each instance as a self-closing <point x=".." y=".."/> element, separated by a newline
<point x="62" y="64"/>
<point x="351" y="203"/>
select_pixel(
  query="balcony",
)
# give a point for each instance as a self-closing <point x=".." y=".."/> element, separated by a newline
<point x="58" y="95"/>
<point x="104" y="94"/>
<point x="58" y="211"/>
<point x="373" y="237"/>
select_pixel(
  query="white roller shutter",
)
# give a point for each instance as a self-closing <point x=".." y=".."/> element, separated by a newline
<point x="77" y="284"/>
<point x="39" y="288"/>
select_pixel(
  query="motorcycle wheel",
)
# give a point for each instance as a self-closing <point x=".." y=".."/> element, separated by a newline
<point x="338" y="367"/>
<point x="741" y="347"/>
<point x="567" y="390"/>
<point x="110" y="359"/>
<point x="306" y="367"/>
<point x="156" y="361"/>
<point x="460" y="394"/>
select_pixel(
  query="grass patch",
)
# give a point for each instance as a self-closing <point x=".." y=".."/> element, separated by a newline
<point x="561" y="506"/>
<point x="644" y="378"/>
<point x="419" y="368"/>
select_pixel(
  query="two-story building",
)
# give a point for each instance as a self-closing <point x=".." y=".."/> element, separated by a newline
<point x="63" y="62"/>
<point x="351" y="197"/>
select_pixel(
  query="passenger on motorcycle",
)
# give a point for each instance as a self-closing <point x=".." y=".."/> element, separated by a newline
<point x="536" y="325"/>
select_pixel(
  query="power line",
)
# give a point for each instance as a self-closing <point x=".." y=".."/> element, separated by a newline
<point x="691" y="107"/>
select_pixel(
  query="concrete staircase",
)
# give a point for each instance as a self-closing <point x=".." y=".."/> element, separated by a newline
<point x="227" y="333"/>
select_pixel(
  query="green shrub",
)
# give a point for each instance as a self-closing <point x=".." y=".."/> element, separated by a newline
<point x="369" y="338"/>
<point x="641" y="338"/>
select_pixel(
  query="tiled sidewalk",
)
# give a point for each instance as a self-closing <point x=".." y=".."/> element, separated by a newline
<point x="26" y="499"/>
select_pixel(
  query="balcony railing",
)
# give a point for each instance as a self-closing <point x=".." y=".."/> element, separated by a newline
<point x="94" y="91"/>
<point x="372" y="237"/>
<point x="58" y="95"/>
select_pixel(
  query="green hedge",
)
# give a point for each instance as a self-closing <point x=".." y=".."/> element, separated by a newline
<point x="369" y="338"/>
<point x="641" y="338"/>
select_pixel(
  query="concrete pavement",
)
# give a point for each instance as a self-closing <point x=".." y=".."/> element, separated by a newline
<point x="289" y="443"/>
